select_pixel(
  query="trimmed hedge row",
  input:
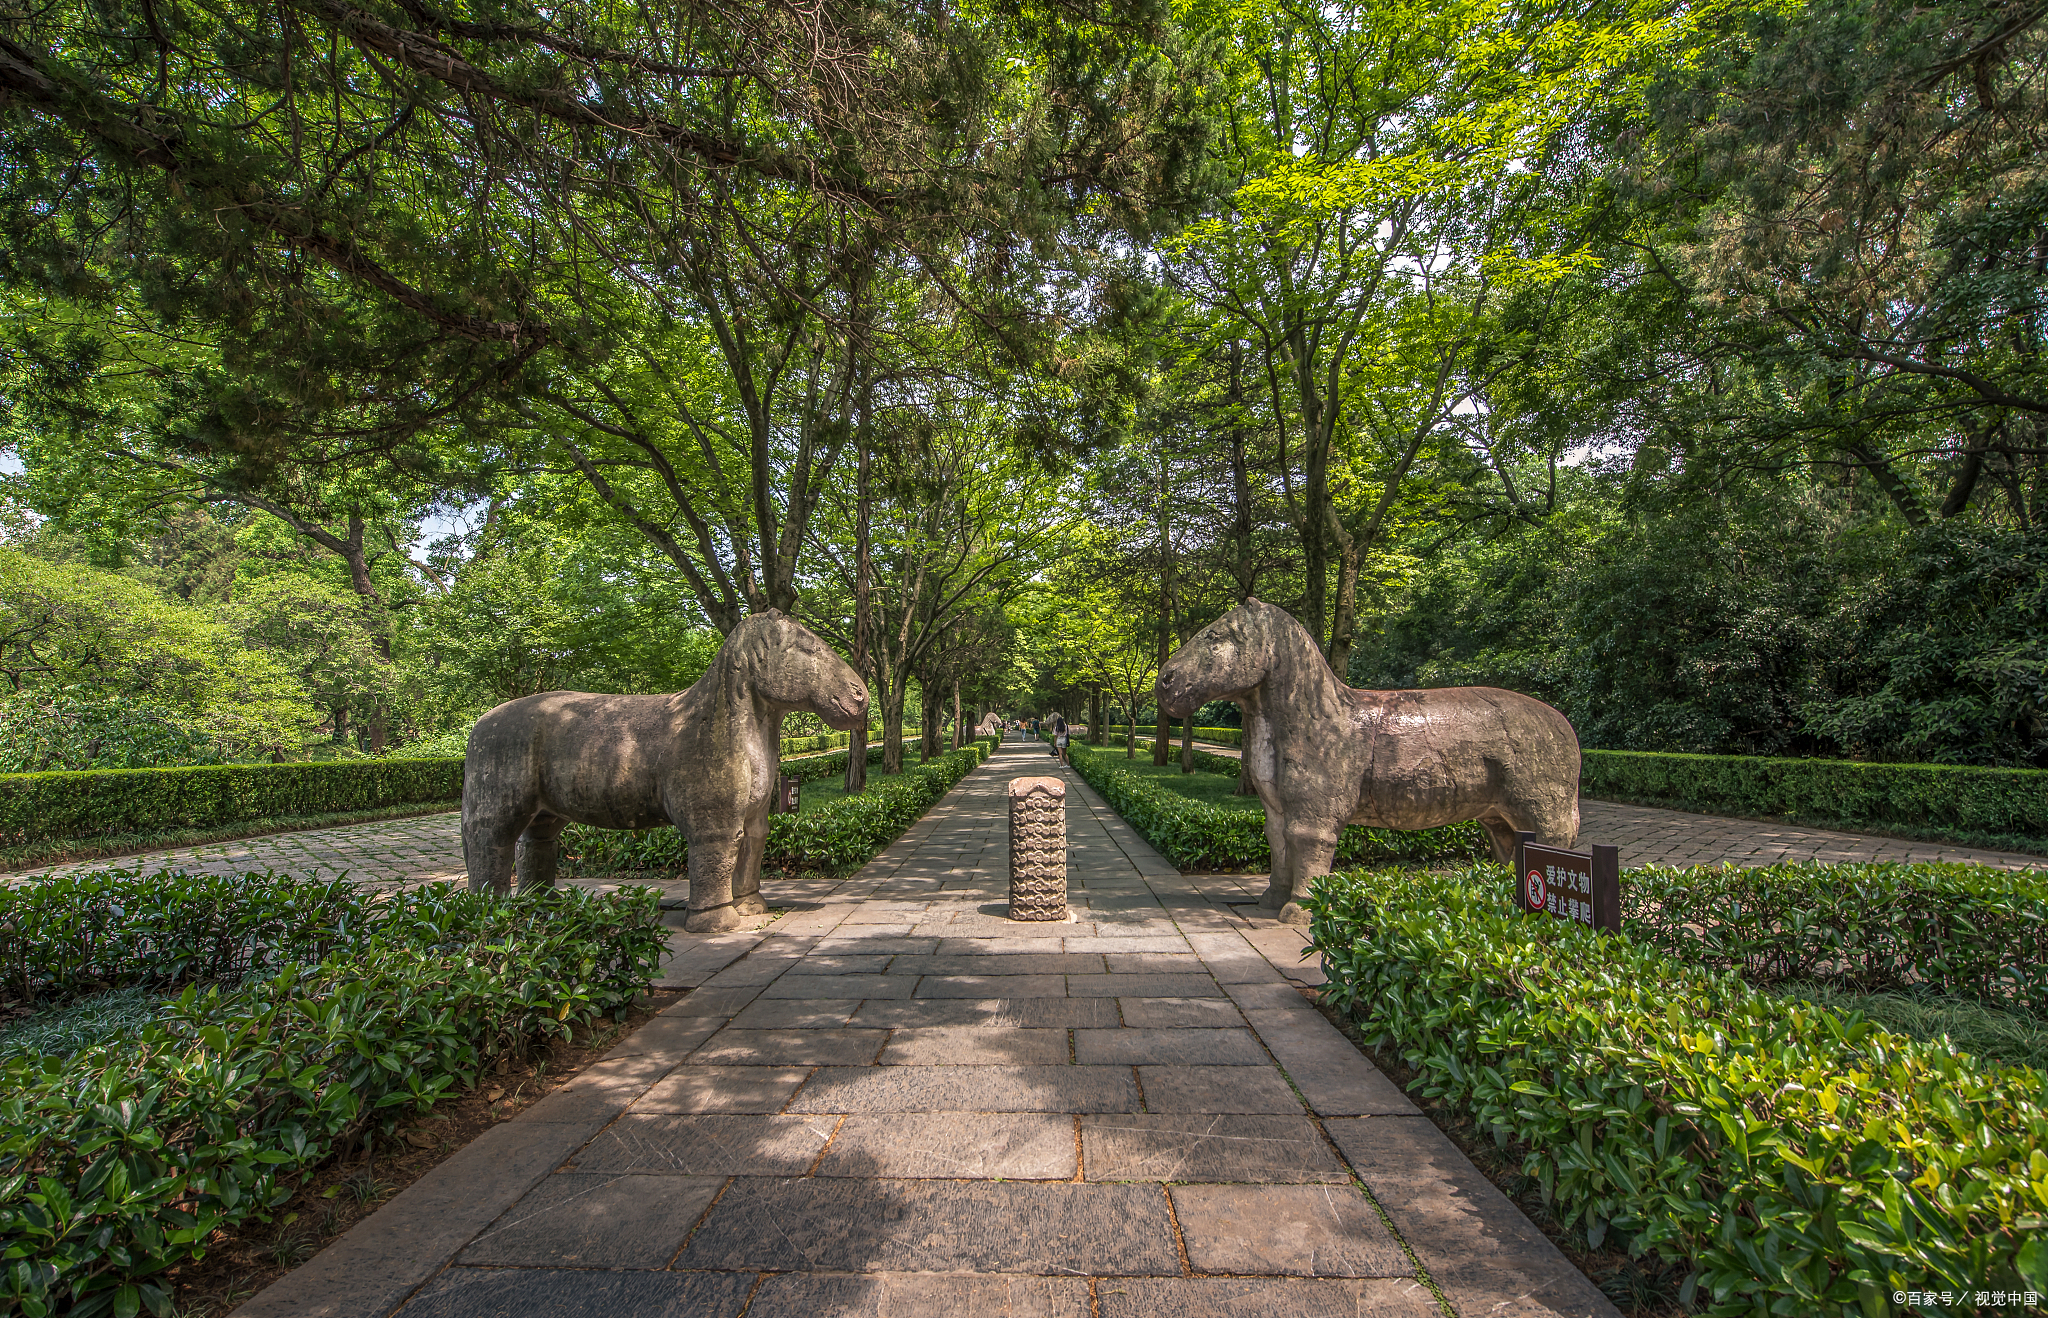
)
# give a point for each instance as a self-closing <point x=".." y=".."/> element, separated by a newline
<point x="39" y="807"/>
<point x="1957" y="930"/>
<point x="1800" y="1161"/>
<point x="1221" y="736"/>
<point x="1953" y="797"/>
<point x="121" y="1160"/>
<point x="837" y="838"/>
<point x="1195" y="835"/>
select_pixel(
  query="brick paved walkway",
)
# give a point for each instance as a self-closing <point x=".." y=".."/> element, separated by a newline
<point x="386" y="852"/>
<point x="894" y="1100"/>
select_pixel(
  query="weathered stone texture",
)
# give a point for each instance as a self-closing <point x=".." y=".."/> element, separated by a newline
<point x="1038" y="849"/>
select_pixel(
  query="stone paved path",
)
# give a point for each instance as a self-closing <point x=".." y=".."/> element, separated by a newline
<point x="396" y="852"/>
<point x="893" y="1100"/>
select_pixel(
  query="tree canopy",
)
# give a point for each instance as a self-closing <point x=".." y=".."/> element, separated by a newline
<point x="1678" y="364"/>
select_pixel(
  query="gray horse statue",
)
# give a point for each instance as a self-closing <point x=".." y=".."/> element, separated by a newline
<point x="1323" y="755"/>
<point x="706" y="761"/>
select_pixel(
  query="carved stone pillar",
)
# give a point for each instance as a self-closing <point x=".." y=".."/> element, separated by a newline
<point x="1038" y="849"/>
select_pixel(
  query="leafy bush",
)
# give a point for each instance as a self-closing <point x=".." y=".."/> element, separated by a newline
<point x="37" y="807"/>
<point x="1953" y="930"/>
<point x="1846" y="791"/>
<point x="73" y="934"/>
<point x="1197" y="836"/>
<point x="121" y="1160"/>
<point x="1802" y="1161"/>
<point x="836" y="838"/>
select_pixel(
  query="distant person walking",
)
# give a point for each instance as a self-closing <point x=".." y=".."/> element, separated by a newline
<point x="1059" y="737"/>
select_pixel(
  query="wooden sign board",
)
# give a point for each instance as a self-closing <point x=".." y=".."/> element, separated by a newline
<point x="788" y="798"/>
<point x="1582" y="886"/>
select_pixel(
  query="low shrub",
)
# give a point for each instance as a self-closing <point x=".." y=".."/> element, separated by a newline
<point x="1799" y="1160"/>
<point x="835" y="838"/>
<point x="823" y="741"/>
<point x="1956" y="798"/>
<point x="36" y="807"/>
<point x="73" y="934"/>
<point x="1220" y="736"/>
<point x="1196" y="836"/>
<point x="1950" y="930"/>
<point x="120" y="1160"/>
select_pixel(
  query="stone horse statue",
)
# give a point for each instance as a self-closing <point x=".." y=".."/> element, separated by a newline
<point x="706" y="760"/>
<point x="1322" y="754"/>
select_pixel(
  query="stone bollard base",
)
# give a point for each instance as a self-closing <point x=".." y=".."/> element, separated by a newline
<point x="1038" y="849"/>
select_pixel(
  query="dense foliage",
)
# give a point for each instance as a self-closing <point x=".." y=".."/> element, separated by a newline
<point x="123" y="1159"/>
<point x="1794" y="1159"/>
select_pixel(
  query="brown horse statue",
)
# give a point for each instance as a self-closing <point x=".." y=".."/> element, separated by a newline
<point x="706" y="761"/>
<point x="1322" y="754"/>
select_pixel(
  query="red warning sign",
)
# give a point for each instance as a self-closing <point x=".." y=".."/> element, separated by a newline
<point x="1535" y="892"/>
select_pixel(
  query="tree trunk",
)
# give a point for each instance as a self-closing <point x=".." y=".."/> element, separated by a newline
<point x="1344" y="627"/>
<point x="1187" y="744"/>
<point x="1095" y="734"/>
<point x="863" y="607"/>
<point x="957" y="728"/>
<point x="929" y="708"/>
<point x="893" y="696"/>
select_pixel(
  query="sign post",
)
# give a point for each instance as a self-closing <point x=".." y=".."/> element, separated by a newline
<point x="1581" y="886"/>
<point x="788" y="798"/>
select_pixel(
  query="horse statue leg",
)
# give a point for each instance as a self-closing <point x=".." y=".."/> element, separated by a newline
<point x="722" y="896"/>
<point x="488" y="836"/>
<point x="1303" y="848"/>
<point x="539" y="852"/>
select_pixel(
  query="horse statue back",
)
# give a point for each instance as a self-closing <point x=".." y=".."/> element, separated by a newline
<point x="705" y="760"/>
<point x="1323" y="755"/>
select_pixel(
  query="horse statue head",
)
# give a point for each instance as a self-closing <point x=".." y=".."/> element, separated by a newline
<point x="788" y="667"/>
<point x="1224" y="660"/>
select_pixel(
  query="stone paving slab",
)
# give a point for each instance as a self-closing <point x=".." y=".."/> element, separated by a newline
<point x="894" y="1101"/>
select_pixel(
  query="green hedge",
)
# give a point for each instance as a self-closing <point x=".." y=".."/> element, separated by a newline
<point x="1956" y="930"/>
<point x="120" y="1161"/>
<point x="1221" y="736"/>
<point x="38" y="807"/>
<point x="1801" y="1162"/>
<point x="1950" y="797"/>
<point x="823" y="741"/>
<point x="1195" y="835"/>
<point x="837" y="837"/>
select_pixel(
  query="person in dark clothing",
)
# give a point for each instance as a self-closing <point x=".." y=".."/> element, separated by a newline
<point x="1059" y="737"/>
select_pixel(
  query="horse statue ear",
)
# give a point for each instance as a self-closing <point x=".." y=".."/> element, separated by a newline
<point x="1251" y="599"/>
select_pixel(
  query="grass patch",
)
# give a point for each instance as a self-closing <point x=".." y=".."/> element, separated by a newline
<point x="1985" y="1033"/>
<point x="1208" y="788"/>
<point x="60" y="1031"/>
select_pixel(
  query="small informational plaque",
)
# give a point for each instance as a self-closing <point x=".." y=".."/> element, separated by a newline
<point x="1581" y="886"/>
<point x="789" y="797"/>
